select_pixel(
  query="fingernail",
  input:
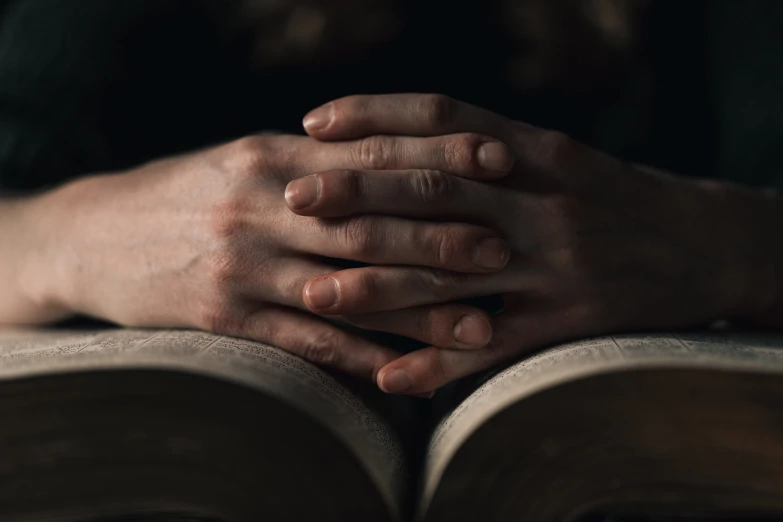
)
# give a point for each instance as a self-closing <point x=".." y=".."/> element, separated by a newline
<point x="495" y="157"/>
<point x="396" y="381"/>
<point x="303" y="192"/>
<point x="319" y="118"/>
<point x="473" y="330"/>
<point x="322" y="293"/>
<point x="491" y="253"/>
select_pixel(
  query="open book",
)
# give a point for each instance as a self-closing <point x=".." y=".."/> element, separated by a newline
<point x="135" y="424"/>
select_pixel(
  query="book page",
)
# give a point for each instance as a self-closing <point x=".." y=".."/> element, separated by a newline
<point x="574" y="360"/>
<point x="266" y="368"/>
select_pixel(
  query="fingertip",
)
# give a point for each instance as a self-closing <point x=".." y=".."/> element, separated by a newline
<point x="318" y="121"/>
<point x="395" y="381"/>
<point x="321" y="294"/>
<point x="472" y="331"/>
<point x="495" y="158"/>
<point x="413" y="374"/>
<point x="303" y="193"/>
<point x="492" y="254"/>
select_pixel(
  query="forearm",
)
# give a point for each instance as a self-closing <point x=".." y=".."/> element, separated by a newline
<point x="29" y="260"/>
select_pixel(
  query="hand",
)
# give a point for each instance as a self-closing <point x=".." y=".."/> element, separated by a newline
<point x="206" y="241"/>
<point x="597" y="245"/>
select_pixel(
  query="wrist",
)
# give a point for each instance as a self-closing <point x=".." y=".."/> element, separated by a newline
<point x="24" y="276"/>
<point x="47" y="235"/>
<point x="66" y="215"/>
<point x="42" y="276"/>
<point x="746" y="229"/>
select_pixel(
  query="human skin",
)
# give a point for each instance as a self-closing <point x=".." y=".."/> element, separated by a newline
<point x="206" y="241"/>
<point x="598" y="245"/>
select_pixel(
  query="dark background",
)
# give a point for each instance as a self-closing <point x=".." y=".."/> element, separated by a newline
<point x="95" y="86"/>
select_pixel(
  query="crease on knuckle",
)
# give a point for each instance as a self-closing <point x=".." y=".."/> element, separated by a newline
<point x="322" y="348"/>
<point x="374" y="153"/>
<point x="367" y="287"/>
<point x="458" y="151"/>
<point x="352" y="186"/>
<point x="447" y="246"/>
<point x="359" y="237"/>
<point x="426" y="326"/>
<point x="431" y="186"/>
<point x="437" y="110"/>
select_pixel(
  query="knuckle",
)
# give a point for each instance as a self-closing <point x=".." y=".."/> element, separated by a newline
<point x="359" y="237"/>
<point x="554" y="148"/>
<point x="374" y="152"/>
<point x="351" y="185"/>
<point x="459" y="150"/>
<point x="322" y="348"/>
<point x="248" y="157"/>
<point x="431" y="185"/>
<point x="230" y="219"/>
<point x="448" y="246"/>
<point x="437" y="110"/>
<point x="366" y="286"/>
<point x="245" y="146"/>
<point x="426" y="323"/>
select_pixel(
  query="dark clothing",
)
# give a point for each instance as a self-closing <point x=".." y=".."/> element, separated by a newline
<point x="94" y="85"/>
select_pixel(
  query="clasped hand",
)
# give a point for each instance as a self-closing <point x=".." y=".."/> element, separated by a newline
<point x="443" y="201"/>
<point x="597" y="245"/>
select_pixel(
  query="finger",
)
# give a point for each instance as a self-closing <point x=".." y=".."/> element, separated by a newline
<point x="426" y="370"/>
<point x="455" y="325"/>
<point x="383" y="288"/>
<point x="313" y="339"/>
<point x="451" y="325"/>
<point x="404" y="114"/>
<point x="403" y="193"/>
<point x="279" y="281"/>
<point x="468" y="155"/>
<point x="395" y="241"/>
